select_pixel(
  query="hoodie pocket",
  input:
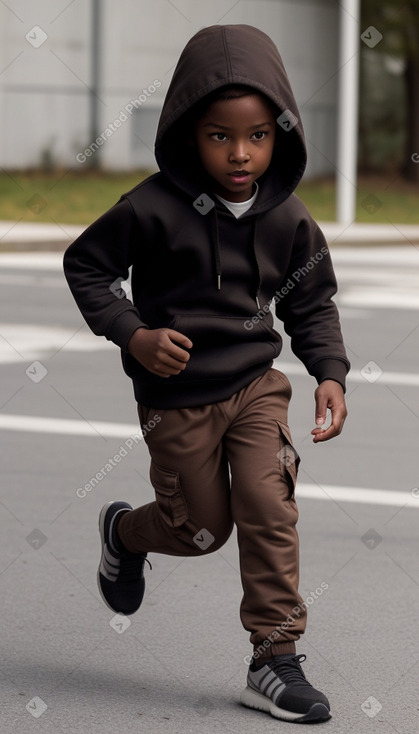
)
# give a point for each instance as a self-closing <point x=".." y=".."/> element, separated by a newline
<point x="169" y="497"/>
<point x="231" y="343"/>
<point x="289" y="459"/>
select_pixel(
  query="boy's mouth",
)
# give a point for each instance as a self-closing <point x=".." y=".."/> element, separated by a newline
<point x="239" y="176"/>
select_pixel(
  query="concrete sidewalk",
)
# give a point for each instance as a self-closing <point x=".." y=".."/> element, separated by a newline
<point x="33" y="236"/>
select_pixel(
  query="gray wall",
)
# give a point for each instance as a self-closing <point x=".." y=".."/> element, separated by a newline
<point x="44" y="87"/>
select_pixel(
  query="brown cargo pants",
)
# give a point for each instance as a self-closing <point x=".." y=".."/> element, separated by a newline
<point x="193" y="453"/>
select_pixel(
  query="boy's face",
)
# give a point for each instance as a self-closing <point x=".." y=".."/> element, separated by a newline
<point x="235" y="140"/>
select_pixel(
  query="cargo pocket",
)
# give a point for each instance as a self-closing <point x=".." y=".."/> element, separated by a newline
<point x="288" y="458"/>
<point x="171" y="502"/>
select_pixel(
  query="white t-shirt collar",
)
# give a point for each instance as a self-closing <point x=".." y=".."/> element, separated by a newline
<point x="240" y="207"/>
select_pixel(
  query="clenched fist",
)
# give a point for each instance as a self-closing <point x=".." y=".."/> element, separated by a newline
<point x="156" y="351"/>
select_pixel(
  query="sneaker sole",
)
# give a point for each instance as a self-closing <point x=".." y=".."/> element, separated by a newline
<point x="102" y="535"/>
<point x="253" y="699"/>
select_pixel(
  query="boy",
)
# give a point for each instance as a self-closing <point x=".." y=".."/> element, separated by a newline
<point x="214" y="238"/>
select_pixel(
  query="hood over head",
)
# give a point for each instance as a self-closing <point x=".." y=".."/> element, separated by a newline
<point x="216" y="57"/>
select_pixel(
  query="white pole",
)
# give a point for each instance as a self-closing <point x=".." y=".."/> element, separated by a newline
<point x="346" y="173"/>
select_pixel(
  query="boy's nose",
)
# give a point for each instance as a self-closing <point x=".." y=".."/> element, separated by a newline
<point x="239" y="154"/>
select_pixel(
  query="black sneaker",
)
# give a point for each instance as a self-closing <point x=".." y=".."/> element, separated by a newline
<point x="280" y="688"/>
<point x="121" y="574"/>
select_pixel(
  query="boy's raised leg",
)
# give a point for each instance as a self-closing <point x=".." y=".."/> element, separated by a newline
<point x="121" y="574"/>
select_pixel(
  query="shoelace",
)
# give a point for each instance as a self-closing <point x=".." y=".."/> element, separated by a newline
<point x="289" y="669"/>
<point x="131" y="568"/>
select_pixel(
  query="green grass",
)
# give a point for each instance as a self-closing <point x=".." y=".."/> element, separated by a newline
<point x="396" y="199"/>
<point x="61" y="197"/>
<point x="79" y="199"/>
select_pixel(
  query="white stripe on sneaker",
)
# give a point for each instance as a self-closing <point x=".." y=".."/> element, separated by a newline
<point x="273" y="687"/>
<point x="276" y="691"/>
<point x="266" y="681"/>
<point x="261" y="677"/>
<point x="109" y="566"/>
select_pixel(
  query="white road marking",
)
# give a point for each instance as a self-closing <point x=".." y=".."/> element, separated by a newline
<point x="399" y="256"/>
<point x="384" y="297"/>
<point x="358" y="289"/>
<point x="43" y="232"/>
<point x="93" y="429"/>
<point x="359" y="495"/>
<point x="368" y="277"/>
<point x="20" y="343"/>
<point x="353" y="313"/>
<point x="32" y="260"/>
<point x="386" y="378"/>
<point x="377" y="277"/>
<point x="66" y="427"/>
<point x="365" y="232"/>
<point x="387" y="276"/>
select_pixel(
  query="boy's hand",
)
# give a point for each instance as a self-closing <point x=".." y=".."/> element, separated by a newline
<point x="329" y="394"/>
<point x="155" y="350"/>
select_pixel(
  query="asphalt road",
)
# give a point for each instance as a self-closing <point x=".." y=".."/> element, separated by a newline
<point x="67" y="665"/>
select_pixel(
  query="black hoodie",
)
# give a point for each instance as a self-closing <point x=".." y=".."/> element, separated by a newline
<point x="209" y="275"/>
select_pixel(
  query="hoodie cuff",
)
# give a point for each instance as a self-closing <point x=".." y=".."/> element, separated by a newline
<point x="123" y="328"/>
<point x="330" y="369"/>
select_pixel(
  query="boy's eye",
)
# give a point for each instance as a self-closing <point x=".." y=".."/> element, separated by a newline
<point x="258" y="135"/>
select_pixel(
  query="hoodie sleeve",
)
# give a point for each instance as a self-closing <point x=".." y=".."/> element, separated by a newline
<point x="306" y="307"/>
<point x="92" y="266"/>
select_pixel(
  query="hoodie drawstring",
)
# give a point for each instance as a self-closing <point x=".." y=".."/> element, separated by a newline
<point x="216" y="247"/>
<point x="254" y="227"/>
<point x="217" y="253"/>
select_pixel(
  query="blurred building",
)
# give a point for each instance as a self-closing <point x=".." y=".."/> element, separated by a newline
<point x="83" y="82"/>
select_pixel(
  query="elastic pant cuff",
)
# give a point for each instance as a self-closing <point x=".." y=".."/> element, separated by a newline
<point x="277" y="648"/>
